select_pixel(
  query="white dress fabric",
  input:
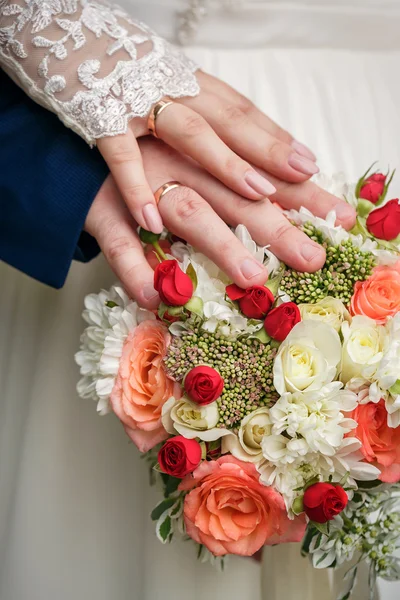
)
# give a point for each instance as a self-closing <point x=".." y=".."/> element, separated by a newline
<point x="75" y="498"/>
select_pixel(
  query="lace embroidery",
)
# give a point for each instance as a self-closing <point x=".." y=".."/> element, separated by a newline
<point x="90" y="62"/>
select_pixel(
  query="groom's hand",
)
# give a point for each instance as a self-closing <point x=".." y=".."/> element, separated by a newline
<point x="198" y="212"/>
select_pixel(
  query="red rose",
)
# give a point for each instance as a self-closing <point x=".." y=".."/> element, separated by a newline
<point x="179" y="456"/>
<point x="254" y="302"/>
<point x="384" y="222"/>
<point x="173" y="285"/>
<point x="373" y="187"/>
<point x="323" y="501"/>
<point x="280" y="321"/>
<point x="203" y="384"/>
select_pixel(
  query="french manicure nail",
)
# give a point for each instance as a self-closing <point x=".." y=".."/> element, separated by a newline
<point x="251" y="268"/>
<point x="310" y="251"/>
<point x="152" y="218"/>
<point x="303" y="150"/>
<point x="302" y="164"/>
<point x="259" y="183"/>
<point x="149" y="292"/>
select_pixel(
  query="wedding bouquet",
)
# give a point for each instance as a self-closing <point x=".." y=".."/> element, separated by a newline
<point x="270" y="414"/>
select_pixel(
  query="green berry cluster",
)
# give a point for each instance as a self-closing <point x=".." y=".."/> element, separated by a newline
<point x="245" y="365"/>
<point x="345" y="265"/>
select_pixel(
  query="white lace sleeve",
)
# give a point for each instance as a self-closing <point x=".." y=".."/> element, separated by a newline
<point x="90" y="62"/>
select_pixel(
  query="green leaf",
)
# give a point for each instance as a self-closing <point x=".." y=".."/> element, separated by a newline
<point x="322" y="528"/>
<point x="192" y="274"/>
<point x="344" y="479"/>
<point x="261" y="335"/>
<point x="195" y="305"/>
<point x="386" y="188"/>
<point x="305" y="546"/>
<point x="323" y="557"/>
<point x="162" y="309"/>
<point x="395" y="388"/>
<point x="165" y="529"/>
<point x="273" y="283"/>
<point x="298" y="506"/>
<point x="364" y="207"/>
<point x="171" y="485"/>
<point x="176" y="509"/>
<point x="311" y="482"/>
<point x="162" y="507"/>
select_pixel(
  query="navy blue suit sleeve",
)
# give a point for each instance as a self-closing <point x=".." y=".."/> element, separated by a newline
<point x="49" y="178"/>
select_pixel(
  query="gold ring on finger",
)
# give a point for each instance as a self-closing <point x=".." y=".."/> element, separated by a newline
<point x="154" y="113"/>
<point x="164" y="189"/>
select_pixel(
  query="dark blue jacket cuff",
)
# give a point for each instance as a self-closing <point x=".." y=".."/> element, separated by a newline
<point x="49" y="178"/>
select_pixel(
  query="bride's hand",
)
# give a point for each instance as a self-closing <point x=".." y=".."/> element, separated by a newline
<point x="196" y="212"/>
<point x="224" y="132"/>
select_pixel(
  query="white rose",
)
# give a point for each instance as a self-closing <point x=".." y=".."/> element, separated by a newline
<point x="192" y="420"/>
<point x="363" y="347"/>
<point x="246" y="445"/>
<point x="330" y="310"/>
<point x="308" y="358"/>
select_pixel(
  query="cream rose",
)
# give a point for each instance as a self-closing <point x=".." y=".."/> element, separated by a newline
<point x="308" y="358"/>
<point x="246" y="445"/>
<point x="330" y="310"/>
<point x="363" y="347"/>
<point x="192" y="420"/>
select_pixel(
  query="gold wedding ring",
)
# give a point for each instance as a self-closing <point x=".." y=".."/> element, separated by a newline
<point x="154" y="113"/>
<point x="164" y="189"/>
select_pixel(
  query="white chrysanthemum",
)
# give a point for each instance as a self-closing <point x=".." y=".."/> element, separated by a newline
<point x="111" y="316"/>
<point x="316" y="417"/>
<point x="288" y="479"/>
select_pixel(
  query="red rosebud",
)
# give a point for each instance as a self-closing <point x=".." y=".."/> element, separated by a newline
<point x="323" y="501"/>
<point x="373" y="187"/>
<point x="173" y="285"/>
<point x="203" y="384"/>
<point x="179" y="456"/>
<point x="254" y="301"/>
<point x="280" y="321"/>
<point x="384" y="222"/>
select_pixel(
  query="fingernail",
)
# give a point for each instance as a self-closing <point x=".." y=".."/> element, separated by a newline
<point x="302" y="164"/>
<point x="251" y="268"/>
<point x="259" y="183"/>
<point x="149" y="292"/>
<point x="310" y="251"/>
<point x="152" y="218"/>
<point x="344" y="211"/>
<point x="303" y="150"/>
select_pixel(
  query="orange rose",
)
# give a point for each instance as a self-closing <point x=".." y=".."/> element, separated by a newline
<point x="142" y="385"/>
<point x="231" y="512"/>
<point x="380" y="443"/>
<point x="379" y="296"/>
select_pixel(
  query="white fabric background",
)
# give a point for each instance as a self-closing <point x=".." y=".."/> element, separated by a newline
<point x="74" y="494"/>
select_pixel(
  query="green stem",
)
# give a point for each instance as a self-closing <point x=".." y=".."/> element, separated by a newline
<point x="159" y="251"/>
